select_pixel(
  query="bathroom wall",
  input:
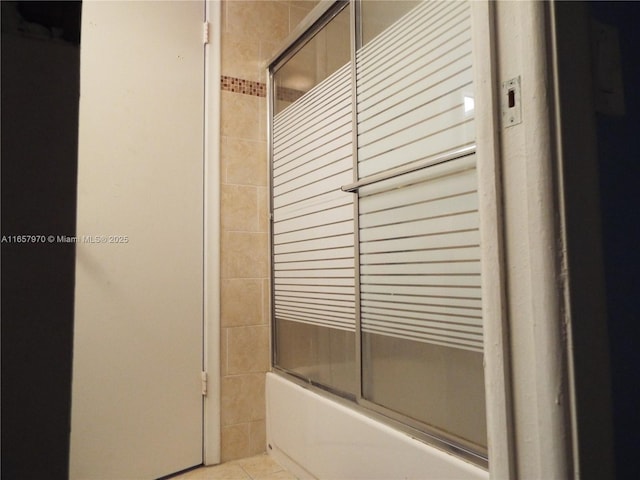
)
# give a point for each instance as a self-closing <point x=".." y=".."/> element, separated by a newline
<point x="252" y="31"/>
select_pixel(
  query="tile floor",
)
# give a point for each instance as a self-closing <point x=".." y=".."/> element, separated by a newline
<point x="260" y="467"/>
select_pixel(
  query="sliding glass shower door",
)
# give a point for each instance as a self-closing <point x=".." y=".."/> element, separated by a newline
<point x="376" y="250"/>
<point x="419" y="241"/>
<point x="314" y="293"/>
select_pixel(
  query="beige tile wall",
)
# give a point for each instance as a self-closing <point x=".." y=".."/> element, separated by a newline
<point x="251" y="33"/>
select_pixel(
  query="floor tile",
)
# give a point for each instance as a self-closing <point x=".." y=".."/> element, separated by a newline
<point x="260" y="466"/>
<point x="281" y="475"/>
<point x="219" y="472"/>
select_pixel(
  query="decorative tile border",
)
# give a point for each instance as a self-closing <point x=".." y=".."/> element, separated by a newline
<point x="246" y="87"/>
<point x="257" y="89"/>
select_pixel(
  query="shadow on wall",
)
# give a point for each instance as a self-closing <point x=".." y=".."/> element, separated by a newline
<point x="619" y="162"/>
<point x="40" y="91"/>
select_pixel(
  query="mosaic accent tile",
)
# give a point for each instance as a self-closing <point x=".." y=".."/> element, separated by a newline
<point x="258" y="89"/>
<point x="246" y="87"/>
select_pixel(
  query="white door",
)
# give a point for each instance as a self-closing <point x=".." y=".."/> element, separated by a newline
<point x="138" y="346"/>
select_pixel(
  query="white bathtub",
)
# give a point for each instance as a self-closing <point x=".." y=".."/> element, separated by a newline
<point x="315" y="437"/>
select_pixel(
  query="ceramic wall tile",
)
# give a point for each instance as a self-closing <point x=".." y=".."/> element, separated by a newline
<point x="240" y="57"/>
<point x="224" y="357"/>
<point x="306" y="5"/>
<point x="244" y="255"/>
<point x="240" y="116"/>
<point x="248" y="349"/>
<point x="239" y="208"/>
<point x="242" y="399"/>
<point x="297" y="14"/>
<point x="252" y="32"/>
<point x="266" y="301"/>
<point x="257" y="437"/>
<point x="258" y="20"/>
<point x="235" y="442"/>
<point x="242" y="302"/>
<point x="263" y="209"/>
<point x="244" y="162"/>
<point x="262" y="119"/>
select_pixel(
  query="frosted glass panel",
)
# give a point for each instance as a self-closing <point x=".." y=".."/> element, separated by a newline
<point x="414" y="88"/>
<point x="438" y="386"/>
<point x="420" y="256"/>
<point x="419" y="239"/>
<point x="313" y="235"/>
<point x="313" y="226"/>
<point x="325" y="356"/>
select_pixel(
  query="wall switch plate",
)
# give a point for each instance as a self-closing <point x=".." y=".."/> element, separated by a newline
<point x="511" y="103"/>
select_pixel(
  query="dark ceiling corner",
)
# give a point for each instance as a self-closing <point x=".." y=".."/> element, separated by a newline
<point x="64" y="16"/>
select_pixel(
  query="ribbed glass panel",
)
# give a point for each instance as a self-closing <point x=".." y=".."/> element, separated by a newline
<point x="313" y="227"/>
<point x="419" y="239"/>
<point x="420" y="256"/>
<point x="414" y="91"/>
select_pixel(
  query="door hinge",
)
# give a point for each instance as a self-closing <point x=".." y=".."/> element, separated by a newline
<point x="204" y="380"/>
<point x="205" y="33"/>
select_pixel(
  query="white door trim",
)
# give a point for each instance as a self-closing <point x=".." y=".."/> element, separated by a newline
<point x="526" y="350"/>
<point x="495" y="327"/>
<point x="211" y="418"/>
